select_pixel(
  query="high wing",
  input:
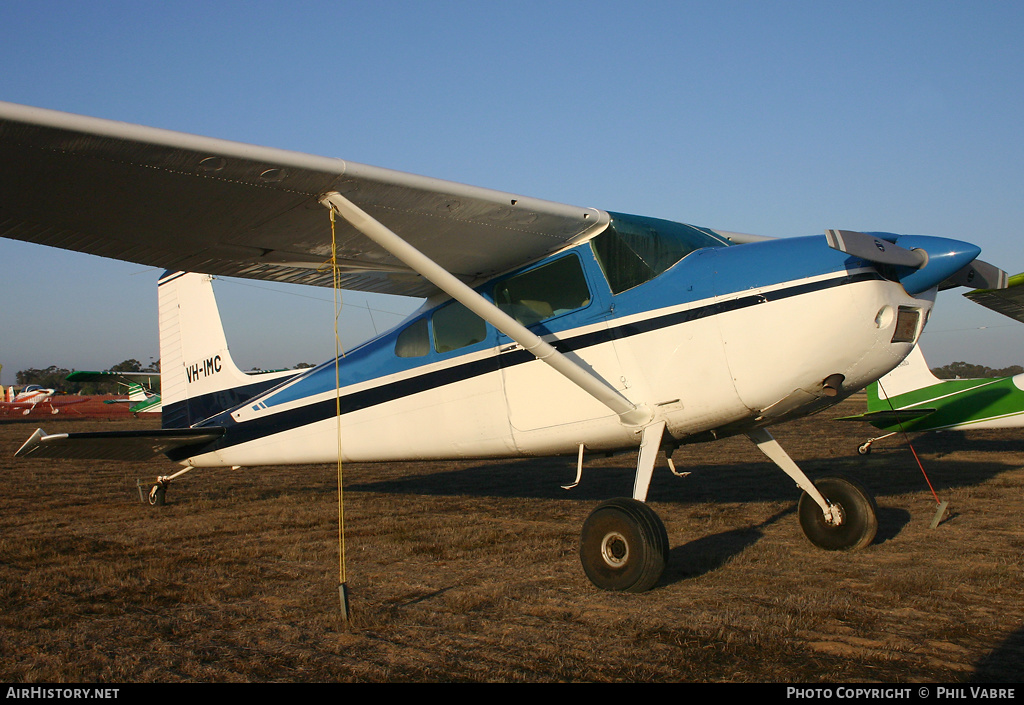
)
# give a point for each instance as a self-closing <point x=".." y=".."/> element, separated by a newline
<point x="1008" y="301"/>
<point x="190" y="203"/>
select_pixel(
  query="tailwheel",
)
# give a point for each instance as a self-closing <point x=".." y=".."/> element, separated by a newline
<point x="853" y="520"/>
<point x="624" y="546"/>
<point x="158" y="495"/>
<point x="864" y="448"/>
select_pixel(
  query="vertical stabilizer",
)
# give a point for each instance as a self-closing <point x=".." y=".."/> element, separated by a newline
<point x="136" y="392"/>
<point x="908" y="376"/>
<point x="197" y="375"/>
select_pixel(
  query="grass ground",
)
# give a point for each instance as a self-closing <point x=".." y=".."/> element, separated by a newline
<point x="468" y="571"/>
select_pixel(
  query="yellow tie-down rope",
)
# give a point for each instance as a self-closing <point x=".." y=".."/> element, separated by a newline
<point x="342" y="582"/>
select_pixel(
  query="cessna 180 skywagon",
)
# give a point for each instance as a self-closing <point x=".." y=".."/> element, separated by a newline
<point x="547" y="328"/>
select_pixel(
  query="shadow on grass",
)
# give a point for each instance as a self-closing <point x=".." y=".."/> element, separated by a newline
<point x="1005" y="664"/>
<point x="709" y="553"/>
<point x="737" y="482"/>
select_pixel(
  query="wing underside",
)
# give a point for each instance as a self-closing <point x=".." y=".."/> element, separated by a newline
<point x="1008" y="301"/>
<point x="183" y="202"/>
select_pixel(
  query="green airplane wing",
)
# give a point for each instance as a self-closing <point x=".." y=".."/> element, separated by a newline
<point x="148" y="379"/>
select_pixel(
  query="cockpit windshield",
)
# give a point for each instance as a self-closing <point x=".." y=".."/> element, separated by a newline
<point x="634" y="249"/>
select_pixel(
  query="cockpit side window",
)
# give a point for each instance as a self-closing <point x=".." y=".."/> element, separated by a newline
<point x="634" y="249"/>
<point x="544" y="292"/>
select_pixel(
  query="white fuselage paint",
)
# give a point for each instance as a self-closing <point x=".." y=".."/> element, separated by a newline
<point x="741" y="369"/>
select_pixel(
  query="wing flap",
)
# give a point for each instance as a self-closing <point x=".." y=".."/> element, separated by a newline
<point x="114" y="445"/>
<point x="189" y="203"/>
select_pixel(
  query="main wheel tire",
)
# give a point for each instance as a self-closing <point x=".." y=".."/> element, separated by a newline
<point x="624" y="546"/>
<point x="158" y="495"/>
<point x="864" y="448"/>
<point x="859" y="516"/>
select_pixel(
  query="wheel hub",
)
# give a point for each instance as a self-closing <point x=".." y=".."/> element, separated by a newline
<point x="615" y="549"/>
<point x="835" y="516"/>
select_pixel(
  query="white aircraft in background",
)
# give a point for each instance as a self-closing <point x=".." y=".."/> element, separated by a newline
<point x="34" y="395"/>
<point x="547" y="329"/>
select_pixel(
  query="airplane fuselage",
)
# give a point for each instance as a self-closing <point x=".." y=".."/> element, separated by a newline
<point x="727" y="339"/>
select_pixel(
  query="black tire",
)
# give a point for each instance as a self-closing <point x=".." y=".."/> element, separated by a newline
<point x="624" y="546"/>
<point x="158" y="495"/>
<point x="864" y="448"/>
<point x="859" y="522"/>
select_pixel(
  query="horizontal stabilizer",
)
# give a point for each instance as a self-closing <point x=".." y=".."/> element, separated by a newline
<point x="115" y="445"/>
<point x="875" y="249"/>
<point x="889" y="416"/>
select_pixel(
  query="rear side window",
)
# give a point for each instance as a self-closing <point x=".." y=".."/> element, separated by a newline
<point x="544" y="292"/>
<point x="455" y="326"/>
<point x="414" y="341"/>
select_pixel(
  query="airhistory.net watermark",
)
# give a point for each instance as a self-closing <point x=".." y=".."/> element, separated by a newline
<point x="48" y="693"/>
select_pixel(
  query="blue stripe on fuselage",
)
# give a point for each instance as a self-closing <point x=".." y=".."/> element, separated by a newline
<point x="721" y="275"/>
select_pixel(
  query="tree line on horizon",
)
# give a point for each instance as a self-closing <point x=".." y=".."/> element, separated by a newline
<point x="54" y="377"/>
<point x="966" y="370"/>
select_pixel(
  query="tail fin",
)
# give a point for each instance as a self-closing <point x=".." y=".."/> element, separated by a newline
<point x="198" y="378"/>
<point x="136" y="392"/>
<point x="909" y="375"/>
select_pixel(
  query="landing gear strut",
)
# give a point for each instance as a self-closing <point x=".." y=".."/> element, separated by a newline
<point x="624" y="545"/>
<point x="835" y="513"/>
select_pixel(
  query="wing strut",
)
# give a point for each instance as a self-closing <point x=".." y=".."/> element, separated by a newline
<point x="628" y="413"/>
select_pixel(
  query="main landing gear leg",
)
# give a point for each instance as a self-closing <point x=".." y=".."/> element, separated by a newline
<point x="624" y="545"/>
<point x="835" y="513"/>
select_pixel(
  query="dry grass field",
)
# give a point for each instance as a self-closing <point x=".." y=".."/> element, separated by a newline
<point x="468" y="571"/>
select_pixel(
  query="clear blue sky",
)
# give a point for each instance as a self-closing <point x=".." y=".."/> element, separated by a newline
<point x="776" y="118"/>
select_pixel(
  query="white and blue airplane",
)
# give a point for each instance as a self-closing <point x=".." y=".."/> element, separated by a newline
<point x="547" y="329"/>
